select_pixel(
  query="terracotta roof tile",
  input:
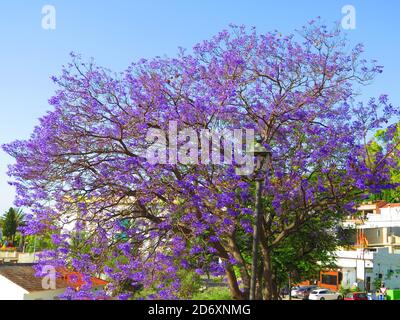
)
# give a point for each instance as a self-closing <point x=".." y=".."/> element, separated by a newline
<point x="391" y="205"/>
<point x="24" y="276"/>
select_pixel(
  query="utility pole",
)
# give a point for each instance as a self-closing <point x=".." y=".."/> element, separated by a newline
<point x="261" y="154"/>
<point x="256" y="240"/>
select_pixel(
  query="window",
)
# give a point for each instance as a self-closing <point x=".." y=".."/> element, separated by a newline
<point x="329" y="279"/>
<point x="368" y="283"/>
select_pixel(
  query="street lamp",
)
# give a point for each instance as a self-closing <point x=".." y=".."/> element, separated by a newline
<point x="262" y="155"/>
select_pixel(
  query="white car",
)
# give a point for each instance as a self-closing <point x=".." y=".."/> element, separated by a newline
<point x="324" y="294"/>
<point x="293" y="292"/>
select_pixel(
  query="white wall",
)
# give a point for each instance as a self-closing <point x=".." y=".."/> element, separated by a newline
<point x="360" y="270"/>
<point x="27" y="257"/>
<point x="8" y="254"/>
<point x="10" y="291"/>
<point x="389" y="217"/>
<point x="383" y="262"/>
<point x="44" y="295"/>
<point x="349" y="277"/>
<point x="22" y="257"/>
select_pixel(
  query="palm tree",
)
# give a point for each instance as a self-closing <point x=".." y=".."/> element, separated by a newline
<point x="10" y="222"/>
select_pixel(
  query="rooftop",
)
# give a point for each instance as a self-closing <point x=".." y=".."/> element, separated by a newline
<point x="391" y="205"/>
<point x="24" y="276"/>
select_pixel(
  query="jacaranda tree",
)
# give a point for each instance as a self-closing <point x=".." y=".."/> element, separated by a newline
<point x="87" y="181"/>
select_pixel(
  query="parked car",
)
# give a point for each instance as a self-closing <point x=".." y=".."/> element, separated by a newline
<point x="295" y="290"/>
<point x="356" y="296"/>
<point x="304" y="292"/>
<point x="324" y="294"/>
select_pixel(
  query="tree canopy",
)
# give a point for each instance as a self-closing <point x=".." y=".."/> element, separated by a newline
<point x="387" y="141"/>
<point x="84" y="174"/>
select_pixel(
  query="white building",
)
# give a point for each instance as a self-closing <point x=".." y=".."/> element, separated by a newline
<point x="379" y="224"/>
<point x="362" y="267"/>
<point x="17" y="257"/>
<point x="376" y="253"/>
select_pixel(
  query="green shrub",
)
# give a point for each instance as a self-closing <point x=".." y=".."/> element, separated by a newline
<point x="215" y="293"/>
<point x="345" y="291"/>
<point x="190" y="284"/>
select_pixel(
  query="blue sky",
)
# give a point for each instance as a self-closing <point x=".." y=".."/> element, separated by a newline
<point x="117" y="33"/>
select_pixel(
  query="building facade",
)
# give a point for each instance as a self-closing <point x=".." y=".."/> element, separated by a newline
<point x="375" y="255"/>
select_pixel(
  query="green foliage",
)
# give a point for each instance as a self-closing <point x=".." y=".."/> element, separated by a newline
<point x="10" y="222"/>
<point x="33" y="243"/>
<point x="306" y="252"/>
<point x="344" y="290"/>
<point x="382" y="143"/>
<point x="191" y="289"/>
<point x="139" y="294"/>
<point x="215" y="293"/>
<point x="377" y="283"/>
<point x="190" y="284"/>
<point x="389" y="274"/>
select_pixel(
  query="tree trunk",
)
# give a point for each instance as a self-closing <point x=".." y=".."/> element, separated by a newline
<point x="259" y="291"/>
<point x="275" y="289"/>
<point x="233" y="284"/>
<point x="231" y="276"/>
<point x="244" y="274"/>
<point x="21" y="242"/>
<point x="268" y="278"/>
